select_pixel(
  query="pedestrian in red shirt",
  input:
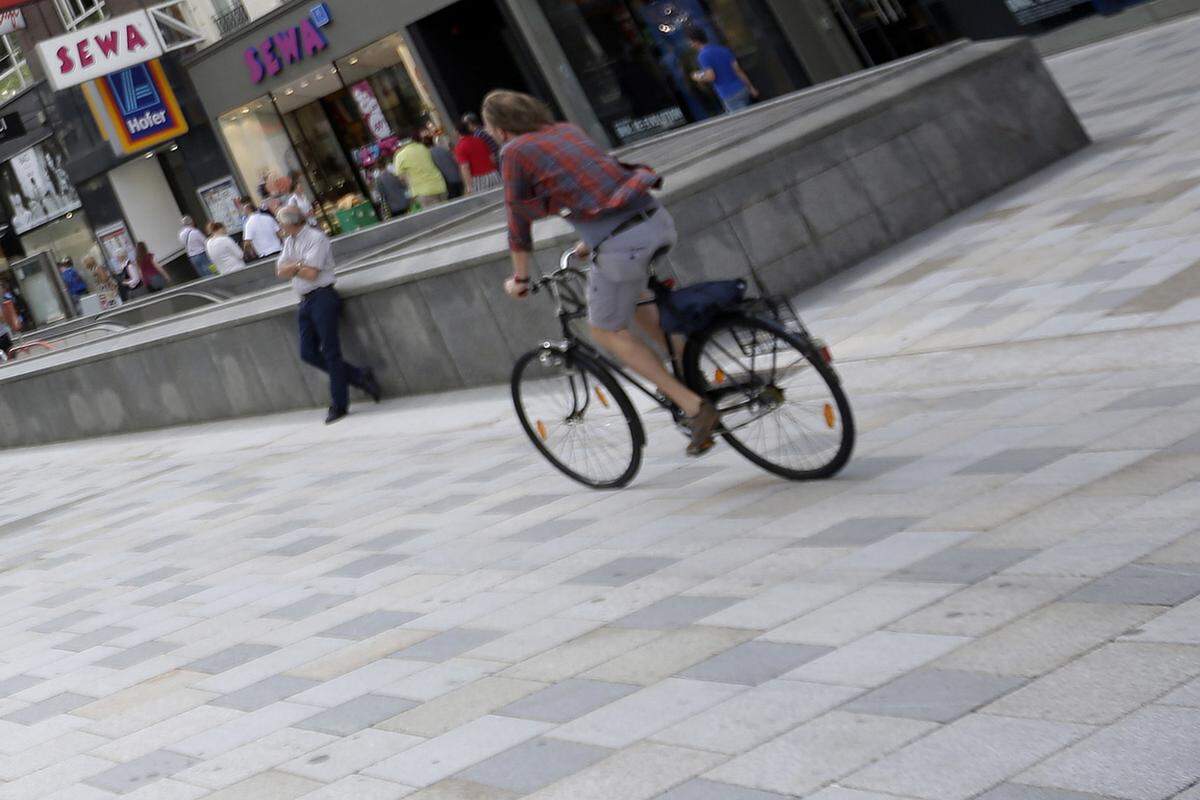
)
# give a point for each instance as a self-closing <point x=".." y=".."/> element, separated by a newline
<point x="554" y="169"/>
<point x="475" y="160"/>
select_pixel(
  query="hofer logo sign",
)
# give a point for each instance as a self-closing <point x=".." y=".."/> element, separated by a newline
<point x="98" y="50"/>
<point x="138" y="109"/>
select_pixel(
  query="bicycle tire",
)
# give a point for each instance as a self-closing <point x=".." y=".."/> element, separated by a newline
<point x="539" y="433"/>
<point x="697" y="379"/>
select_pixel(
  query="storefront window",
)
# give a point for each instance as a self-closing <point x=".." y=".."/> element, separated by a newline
<point x="635" y="62"/>
<point x="330" y="128"/>
<point x="36" y="187"/>
<point x="70" y="237"/>
<point x="259" y="145"/>
<point x="387" y="95"/>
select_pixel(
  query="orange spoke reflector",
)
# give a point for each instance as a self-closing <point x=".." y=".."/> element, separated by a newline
<point x="601" y="397"/>
<point x="720" y="377"/>
<point x="541" y="429"/>
<point x="829" y="418"/>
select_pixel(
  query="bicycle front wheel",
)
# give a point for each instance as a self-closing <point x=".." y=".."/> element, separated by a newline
<point x="782" y="406"/>
<point x="578" y="417"/>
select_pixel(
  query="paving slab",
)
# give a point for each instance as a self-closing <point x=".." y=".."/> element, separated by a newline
<point x="962" y="759"/>
<point x="997" y="599"/>
<point x="937" y="695"/>
<point x="1149" y="754"/>
<point x="820" y="751"/>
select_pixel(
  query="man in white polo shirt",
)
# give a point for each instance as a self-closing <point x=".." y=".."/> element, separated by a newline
<point x="261" y="231"/>
<point x="307" y="260"/>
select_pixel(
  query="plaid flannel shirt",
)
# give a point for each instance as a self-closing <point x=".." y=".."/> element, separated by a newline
<point x="558" y="170"/>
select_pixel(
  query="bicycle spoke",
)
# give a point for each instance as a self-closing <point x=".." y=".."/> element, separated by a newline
<point x="587" y="436"/>
<point x="773" y="398"/>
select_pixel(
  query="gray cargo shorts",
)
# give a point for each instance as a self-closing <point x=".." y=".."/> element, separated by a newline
<point x="620" y="269"/>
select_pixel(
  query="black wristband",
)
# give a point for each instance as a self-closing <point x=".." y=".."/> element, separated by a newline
<point x="520" y="280"/>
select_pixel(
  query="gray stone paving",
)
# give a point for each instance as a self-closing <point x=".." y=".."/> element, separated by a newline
<point x="998" y="600"/>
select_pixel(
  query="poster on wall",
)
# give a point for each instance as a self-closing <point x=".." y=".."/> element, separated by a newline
<point x="36" y="185"/>
<point x="220" y="201"/>
<point x="372" y="112"/>
<point x="1028" y="12"/>
<point x="115" y="240"/>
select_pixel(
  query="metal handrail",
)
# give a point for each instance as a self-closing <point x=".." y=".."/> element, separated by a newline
<point x="206" y="296"/>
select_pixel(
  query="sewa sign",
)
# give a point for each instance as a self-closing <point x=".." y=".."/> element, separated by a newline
<point x="98" y="50"/>
<point x="268" y="58"/>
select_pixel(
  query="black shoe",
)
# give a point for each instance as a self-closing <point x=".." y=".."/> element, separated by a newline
<point x="371" y="385"/>
<point x="335" y="414"/>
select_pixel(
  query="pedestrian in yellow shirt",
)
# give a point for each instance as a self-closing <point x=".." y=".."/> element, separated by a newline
<point x="414" y="163"/>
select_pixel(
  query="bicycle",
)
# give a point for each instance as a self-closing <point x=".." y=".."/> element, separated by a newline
<point x="577" y="414"/>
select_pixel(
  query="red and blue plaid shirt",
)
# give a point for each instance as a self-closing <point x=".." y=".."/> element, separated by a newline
<point x="559" y="170"/>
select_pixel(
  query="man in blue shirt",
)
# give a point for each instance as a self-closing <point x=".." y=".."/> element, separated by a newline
<point x="75" y="285"/>
<point x="720" y="67"/>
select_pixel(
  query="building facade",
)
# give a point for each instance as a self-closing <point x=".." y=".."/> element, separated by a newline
<point x="316" y="90"/>
<point x="65" y="188"/>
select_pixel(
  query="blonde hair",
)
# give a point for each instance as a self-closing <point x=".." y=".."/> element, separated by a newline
<point x="515" y="112"/>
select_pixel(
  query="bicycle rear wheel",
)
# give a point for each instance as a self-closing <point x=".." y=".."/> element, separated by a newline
<point x="578" y="417"/>
<point x="782" y="406"/>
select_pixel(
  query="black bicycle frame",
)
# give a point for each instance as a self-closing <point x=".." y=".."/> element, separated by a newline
<point x="573" y="341"/>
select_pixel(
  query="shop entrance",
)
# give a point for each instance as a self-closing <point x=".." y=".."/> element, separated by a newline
<point x="885" y="30"/>
<point x="471" y="48"/>
<point x="636" y="65"/>
<point x="330" y="130"/>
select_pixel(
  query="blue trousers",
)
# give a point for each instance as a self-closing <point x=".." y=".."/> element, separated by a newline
<point x="321" y="345"/>
<point x="203" y="265"/>
<point x="736" y="102"/>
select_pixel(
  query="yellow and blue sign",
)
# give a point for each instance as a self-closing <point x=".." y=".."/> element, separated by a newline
<point x="139" y="107"/>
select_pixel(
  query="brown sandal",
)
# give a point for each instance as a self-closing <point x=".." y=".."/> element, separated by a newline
<point x="702" y="426"/>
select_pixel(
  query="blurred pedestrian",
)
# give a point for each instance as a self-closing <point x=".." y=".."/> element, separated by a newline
<point x="245" y="207"/>
<point x="414" y="165"/>
<point x="479" y="172"/>
<point x="193" y="244"/>
<point x="260" y="239"/>
<point x="307" y="260"/>
<point x="151" y="273"/>
<point x="223" y="250"/>
<point x="24" y="317"/>
<point x="720" y="68"/>
<point x="472" y="123"/>
<point x="393" y="192"/>
<point x="74" y="283"/>
<point x="107" y="287"/>
<point x="299" y="199"/>
<point x="447" y="164"/>
<point x="6" y="340"/>
<point x="130" y="275"/>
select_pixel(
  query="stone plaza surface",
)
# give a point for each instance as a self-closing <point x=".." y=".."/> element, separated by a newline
<point x="999" y="598"/>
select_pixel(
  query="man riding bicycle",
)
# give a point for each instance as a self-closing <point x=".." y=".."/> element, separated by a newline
<point x="554" y="168"/>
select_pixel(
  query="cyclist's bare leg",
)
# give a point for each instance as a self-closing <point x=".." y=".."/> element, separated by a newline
<point x="637" y="355"/>
<point x="647" y="318"/>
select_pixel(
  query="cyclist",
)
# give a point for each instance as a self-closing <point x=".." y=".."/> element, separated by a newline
<point x="553" y="168"/>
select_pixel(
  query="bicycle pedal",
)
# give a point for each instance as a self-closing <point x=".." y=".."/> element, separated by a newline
<point x="704" y="450"/>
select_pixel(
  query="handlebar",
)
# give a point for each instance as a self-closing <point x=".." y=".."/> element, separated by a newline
<point x="564" y="271"/>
